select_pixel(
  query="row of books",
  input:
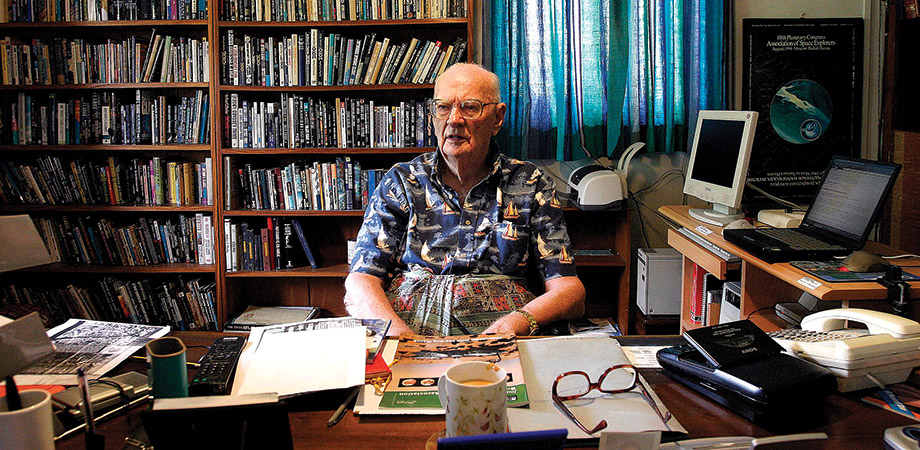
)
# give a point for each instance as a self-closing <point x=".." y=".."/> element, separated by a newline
<point x="316" y="58"/>
<point x="328" y="10"/>
<point x="49" y="180"/>
<point x="76" y="61"/>
<point x="183" y="305"/>
<point x="281" y="244"/>
<point x="327" y="186"/>
<point x="297" y="121"/>
<point x="105" y="118"/>
<point x="81" y="240"/>
<point x="101" y="10"/>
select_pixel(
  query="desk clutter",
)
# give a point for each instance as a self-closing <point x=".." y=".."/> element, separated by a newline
<point x="584" y="385"/>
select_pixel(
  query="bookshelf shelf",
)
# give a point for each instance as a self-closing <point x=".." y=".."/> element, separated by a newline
<point x="109" y="24"/>
<point x="294" y="213"/>
<point x="106" y="208"/>
<point x="95" y="268"/>
<point x="107" y="148"/>
<point x="341" y="88"/>
<point x="100" y="86"/>
<point x="342" y="23"/>
<point x="600" y="261"/>
<point x="327" y="151"/>
<point x="334" y="271"/>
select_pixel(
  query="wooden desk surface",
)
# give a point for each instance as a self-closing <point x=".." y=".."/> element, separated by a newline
<point x="849" y="422"/>
<point x="791" y="275"/>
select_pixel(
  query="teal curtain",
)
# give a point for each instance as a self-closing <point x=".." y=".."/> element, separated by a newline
<point x="585" y="77"/>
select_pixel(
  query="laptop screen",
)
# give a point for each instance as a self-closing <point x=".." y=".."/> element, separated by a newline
<point x="850" y="196"/>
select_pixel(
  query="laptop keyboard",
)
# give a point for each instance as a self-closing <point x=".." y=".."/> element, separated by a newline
<point x="797" y="240"/>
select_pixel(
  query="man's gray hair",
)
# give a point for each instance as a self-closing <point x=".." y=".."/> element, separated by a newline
<point x="493" y="90"/>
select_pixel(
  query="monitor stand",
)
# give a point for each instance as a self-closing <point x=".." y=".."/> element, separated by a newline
<point x="720" y="215"/>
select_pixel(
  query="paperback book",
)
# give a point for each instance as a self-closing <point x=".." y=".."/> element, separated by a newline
<point x="732" y="343"/>
<point x="260" y="316"/>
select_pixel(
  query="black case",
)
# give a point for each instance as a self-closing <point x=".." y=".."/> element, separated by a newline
<point x="760" y="390"/>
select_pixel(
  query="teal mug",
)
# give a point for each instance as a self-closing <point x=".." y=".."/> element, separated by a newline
<point x="166" y="371"/>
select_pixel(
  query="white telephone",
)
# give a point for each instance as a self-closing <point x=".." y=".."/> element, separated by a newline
<point x="888" y="350"/>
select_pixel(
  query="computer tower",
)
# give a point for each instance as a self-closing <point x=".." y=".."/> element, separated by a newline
<point x="658" y="277"/>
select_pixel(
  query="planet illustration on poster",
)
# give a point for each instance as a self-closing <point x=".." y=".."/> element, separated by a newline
<point x="801" y="111"/>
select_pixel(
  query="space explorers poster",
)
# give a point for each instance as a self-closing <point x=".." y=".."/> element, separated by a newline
<point x="804" y="78"/>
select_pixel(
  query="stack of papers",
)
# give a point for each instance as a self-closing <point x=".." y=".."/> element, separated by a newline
<point x="293" y="359"/>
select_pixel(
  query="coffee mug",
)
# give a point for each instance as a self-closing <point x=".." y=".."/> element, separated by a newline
<point x="475" y="399"/>
<point x="29" y="427"/>
<point x="166" y="372"/>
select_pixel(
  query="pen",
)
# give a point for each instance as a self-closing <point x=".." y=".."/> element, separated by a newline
<point x="13" y="401"/>
<point x="339" y="413"/>
<point x="93" y="441"/>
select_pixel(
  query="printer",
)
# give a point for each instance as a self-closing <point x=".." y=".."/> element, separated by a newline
<point x="593" y="187"/>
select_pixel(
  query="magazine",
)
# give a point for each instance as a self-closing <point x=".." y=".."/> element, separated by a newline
<point x="421" y="360"/>
<point x="260" y="316"/>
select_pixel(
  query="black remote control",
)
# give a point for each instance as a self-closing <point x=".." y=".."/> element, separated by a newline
<point x="218" y="366"/>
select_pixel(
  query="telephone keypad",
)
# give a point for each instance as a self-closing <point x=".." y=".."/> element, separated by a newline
<point x="813" y="336"/>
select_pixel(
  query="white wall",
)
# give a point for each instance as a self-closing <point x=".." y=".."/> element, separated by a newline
<point x="873" y="52"/>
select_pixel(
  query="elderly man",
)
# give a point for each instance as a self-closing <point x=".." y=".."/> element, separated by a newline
<point x="449" y="236"/>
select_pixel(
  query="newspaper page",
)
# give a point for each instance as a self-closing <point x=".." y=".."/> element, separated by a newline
<point x="94" y="345"/>
<point x="421" y="360"/>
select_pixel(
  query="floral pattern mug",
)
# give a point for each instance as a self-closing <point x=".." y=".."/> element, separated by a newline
<point x="474" y="397"/>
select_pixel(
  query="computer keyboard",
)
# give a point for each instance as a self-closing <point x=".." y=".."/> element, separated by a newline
<point x="797" y="240"/>
<point x="715" y="249"/>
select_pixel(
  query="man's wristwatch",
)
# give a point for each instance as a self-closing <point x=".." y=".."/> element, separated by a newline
<point x="530" y="319"/>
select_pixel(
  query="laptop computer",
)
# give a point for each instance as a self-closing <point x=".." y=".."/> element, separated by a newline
<point x="838" y="221"/>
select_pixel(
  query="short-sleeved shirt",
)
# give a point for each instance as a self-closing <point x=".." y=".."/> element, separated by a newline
<point x="512" y="218"/>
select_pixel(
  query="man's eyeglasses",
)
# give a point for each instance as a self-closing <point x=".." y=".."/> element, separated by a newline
<point x="469" y="109"/>
<point x="615" y="380"/>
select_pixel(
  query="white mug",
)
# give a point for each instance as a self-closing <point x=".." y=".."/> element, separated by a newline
<point x="474" y="397"/>
<point x="29" y="427"/>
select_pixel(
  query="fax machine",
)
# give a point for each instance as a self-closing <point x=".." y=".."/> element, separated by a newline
<point x="738" y="366"/>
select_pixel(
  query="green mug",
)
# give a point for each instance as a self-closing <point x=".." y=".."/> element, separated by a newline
<point x="166" y="372"/>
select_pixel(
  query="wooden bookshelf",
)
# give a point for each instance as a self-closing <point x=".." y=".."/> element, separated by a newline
<point x="85" y="213"/>
<point x="328" y="230"/>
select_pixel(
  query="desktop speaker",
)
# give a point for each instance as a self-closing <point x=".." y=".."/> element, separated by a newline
<point x="658" y="281"/>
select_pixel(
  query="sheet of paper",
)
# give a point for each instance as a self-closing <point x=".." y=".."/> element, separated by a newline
<point x="95" y="346"/>
<point x="306" y="361"/>
<point x="545" y="359"/>
<point x="643" y="356"/>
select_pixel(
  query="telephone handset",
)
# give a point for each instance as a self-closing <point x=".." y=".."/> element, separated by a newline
<point x="889" y="348"/>
<point x="876" y="321"/>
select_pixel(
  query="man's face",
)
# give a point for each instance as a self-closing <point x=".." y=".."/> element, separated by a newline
<point x="458" y="136"/>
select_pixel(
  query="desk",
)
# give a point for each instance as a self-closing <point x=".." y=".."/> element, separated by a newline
<point x="849" y="422"/>
<point x="764" y="284"/>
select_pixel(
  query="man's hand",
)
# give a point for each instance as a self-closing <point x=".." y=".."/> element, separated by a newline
<point x="365" y="298"/>
<point x="512" y="323"/>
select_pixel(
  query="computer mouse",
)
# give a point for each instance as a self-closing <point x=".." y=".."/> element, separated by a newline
<point x="740" y="223"/>
<point x="863" y="261"/>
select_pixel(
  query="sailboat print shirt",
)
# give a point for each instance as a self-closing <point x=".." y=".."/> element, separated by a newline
<point x="509" y="220"/>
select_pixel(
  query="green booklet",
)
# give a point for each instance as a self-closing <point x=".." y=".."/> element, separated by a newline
<point x="421" y="360"/>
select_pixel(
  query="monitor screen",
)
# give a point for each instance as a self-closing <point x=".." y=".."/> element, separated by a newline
<point x="719" y="162"/>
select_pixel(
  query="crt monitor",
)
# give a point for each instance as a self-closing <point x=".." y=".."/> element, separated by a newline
<point x="719" y="163"/>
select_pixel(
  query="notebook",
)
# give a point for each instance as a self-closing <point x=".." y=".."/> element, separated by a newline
<point x="838" y="221"/>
